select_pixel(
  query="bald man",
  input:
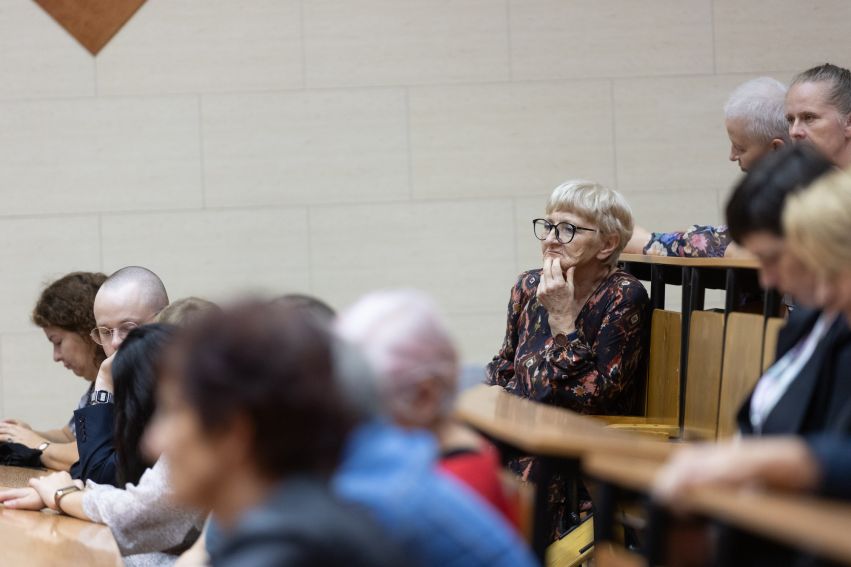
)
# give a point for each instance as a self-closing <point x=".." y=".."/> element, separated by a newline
<point x="129" y="298"/>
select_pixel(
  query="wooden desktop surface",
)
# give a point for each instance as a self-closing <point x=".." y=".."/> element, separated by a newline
<point x="720" y="263"/>
<point x="539" y="429"/>
<point x="803" y="522"/>
<point x="49" y="539"/>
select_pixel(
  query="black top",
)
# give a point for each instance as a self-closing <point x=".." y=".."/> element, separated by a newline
<point x="303" y="525"/>
<point x="95" y="425"/>
<point x="819" y="396"/>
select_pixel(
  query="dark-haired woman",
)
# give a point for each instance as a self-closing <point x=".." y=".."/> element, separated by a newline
<point x="64" y="311"/>
<point x="148" y="527"/>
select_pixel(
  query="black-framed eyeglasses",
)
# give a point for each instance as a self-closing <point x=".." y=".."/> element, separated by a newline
<point x="565" y="231"/>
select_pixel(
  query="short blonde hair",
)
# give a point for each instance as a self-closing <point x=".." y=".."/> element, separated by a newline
<point x="816" y="223"/>
<point x="184" y="311"/>
<point x="603" y="206"/>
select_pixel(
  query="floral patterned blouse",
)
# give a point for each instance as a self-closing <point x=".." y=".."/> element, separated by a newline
<point x="697" y="242"/>
<point x="596" y="372"/>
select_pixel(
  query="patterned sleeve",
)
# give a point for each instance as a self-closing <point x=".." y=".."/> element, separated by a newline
<point x="594" y="377"/>
<point x="500" y="371"/>
<point x="697" y="242"/>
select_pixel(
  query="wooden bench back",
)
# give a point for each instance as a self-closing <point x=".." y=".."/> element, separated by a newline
<point x="743" y="347"/>
<point x="703" y="386"/>
<point x="663" y="372"/>
<point x="769" y="348"/>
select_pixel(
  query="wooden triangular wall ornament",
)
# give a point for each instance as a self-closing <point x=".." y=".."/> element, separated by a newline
<point x="91" y="22"/>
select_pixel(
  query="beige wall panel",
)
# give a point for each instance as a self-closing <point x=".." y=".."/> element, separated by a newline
<point x="528" y="247"/>
<point x="34" y="252"/>
<point x="181" y="46"/>
<point x="36" y="389"/>
<point x="781" y="35"/>
<point x="308" y="147"/>
<point x="674" y="210"/>
<point x="86" y="155"/>
<point x="39" y="58"/>
<point x="479" y="335"/>
<point x="670" y="134"/>
<point x="214" y="254"/>
<point x="461" y="252"/>
<point x="609" y="38"/>
<point x="410" y="42"/>
<point x="509" y="139"/>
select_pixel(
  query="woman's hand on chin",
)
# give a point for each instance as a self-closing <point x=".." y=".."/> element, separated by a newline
<point x="557" y="294"/>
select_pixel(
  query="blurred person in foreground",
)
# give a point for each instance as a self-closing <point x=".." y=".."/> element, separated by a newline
<point x="393" y="474"/>
<point x="815" y="221"/>
<point x="416" y="364"/>
<point x="805" y="389"/>
<point x="254" y="427"/>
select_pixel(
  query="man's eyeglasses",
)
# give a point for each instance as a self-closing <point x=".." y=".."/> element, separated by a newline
<point x="103" y="335"/>
<point x="565" y="231"/>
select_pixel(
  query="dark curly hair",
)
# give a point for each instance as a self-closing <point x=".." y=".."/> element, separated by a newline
<point x="68" y="303"/>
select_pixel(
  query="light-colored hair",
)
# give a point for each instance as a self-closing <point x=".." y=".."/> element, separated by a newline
<point x="761" y="103"/>
<point x="404" y="340"/>
<point x="185" y="311"/>
<point x="603" y="206"/>
<point x="816" y="222"/>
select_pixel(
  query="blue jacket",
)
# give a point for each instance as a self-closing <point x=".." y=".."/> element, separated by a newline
<point x="95" y="427"/>
<point x="392" y="474"/>
<point x="834" y="457"/>
<point x="436" y="520"/>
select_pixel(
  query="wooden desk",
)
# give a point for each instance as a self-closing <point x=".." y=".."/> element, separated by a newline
<point x="812" y="525"/>
<point x="557" y="436"/>
<point x="718" y="263"/>
<point x="49" y="539"/>
<point x="542" y="430"/>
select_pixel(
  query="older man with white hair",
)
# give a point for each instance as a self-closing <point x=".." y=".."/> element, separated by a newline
<point x="755" y="119"/>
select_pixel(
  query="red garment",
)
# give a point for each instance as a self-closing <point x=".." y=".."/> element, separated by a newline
<point x="479" y="470"/>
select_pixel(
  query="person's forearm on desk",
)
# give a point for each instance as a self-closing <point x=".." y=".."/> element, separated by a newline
<point x="60" y="456"/>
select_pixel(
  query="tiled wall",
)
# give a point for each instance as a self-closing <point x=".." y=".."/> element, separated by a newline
<point x="337" y="146"/>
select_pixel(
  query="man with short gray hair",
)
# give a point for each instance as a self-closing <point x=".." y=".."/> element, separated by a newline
<point x="755" y="118"/>
<point x="756" y="123"/>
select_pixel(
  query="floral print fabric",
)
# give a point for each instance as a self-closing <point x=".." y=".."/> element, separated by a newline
<point x="697" y="242"/>
<point x="599" y="372"/>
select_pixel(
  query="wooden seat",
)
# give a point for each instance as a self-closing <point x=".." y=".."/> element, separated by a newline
<point x="769" y="349"/>
<point x="575" y="548"/>
<point x="742" y="366"/>
<point x="662" y="397"/>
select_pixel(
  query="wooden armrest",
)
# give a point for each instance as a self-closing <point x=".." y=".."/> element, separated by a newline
<point x="575" y="548"/>
<point x="654" y="429"/>
<point x="633" y="420"/>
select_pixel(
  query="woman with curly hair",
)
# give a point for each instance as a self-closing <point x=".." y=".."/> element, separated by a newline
<point x="64" y="311"/>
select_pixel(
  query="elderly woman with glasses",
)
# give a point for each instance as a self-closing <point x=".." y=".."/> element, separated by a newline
<point x="576" y="328"/>
<point x="575" y="335"/>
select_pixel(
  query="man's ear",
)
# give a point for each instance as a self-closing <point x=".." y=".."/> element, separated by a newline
<point x="776" y="144"/>
<point x="237" y="440"/>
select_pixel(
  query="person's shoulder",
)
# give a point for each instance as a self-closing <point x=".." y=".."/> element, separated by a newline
<point x="529" y="278"/>
<point x="629" y="286"/>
